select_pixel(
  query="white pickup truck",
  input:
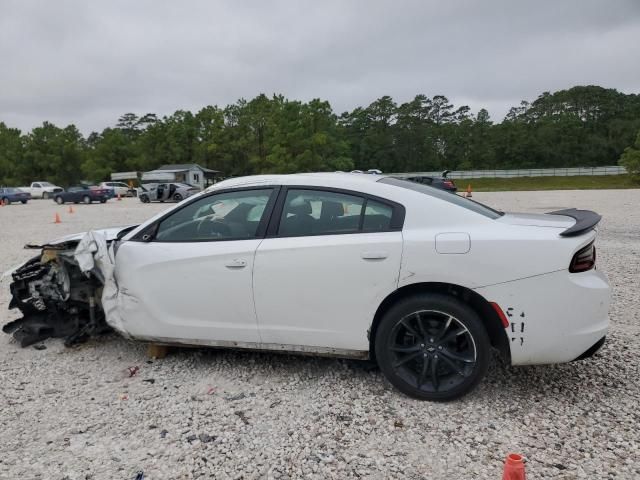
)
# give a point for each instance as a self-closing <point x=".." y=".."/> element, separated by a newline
<point x="42" y="189"/>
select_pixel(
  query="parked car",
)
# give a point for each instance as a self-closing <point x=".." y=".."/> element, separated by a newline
<point x="10" y="194"/>
<point x="365" y="266"/>
<point x="82" y="193"/>
<point x="441" y="182"/>
<point x="119" y="188"/>
<point x="163" y="192"/>
<point x="42" y="189"/>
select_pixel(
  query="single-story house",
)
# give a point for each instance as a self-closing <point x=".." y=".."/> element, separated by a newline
<point x="190" y="173"/>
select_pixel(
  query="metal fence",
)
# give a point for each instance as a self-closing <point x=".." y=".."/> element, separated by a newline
<point x="524" y="172"/>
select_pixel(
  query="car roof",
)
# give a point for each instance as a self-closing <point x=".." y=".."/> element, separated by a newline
<point x="320" y="178"/>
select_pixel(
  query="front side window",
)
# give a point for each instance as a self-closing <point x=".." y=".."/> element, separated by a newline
<point x="223" y="216"/>
<point x="317" y="212"/>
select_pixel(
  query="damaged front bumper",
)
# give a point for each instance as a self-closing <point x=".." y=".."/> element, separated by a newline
<point x="68" y="291"/>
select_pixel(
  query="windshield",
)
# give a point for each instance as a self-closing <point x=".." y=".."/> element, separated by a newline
<point x="46" y="184"/>
<point x="444" y="195"/>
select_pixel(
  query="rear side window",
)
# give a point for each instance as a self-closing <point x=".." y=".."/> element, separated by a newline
<point x="319" y="212"/>
<point x="377" y="217"/>
<point x="444" y="195"/>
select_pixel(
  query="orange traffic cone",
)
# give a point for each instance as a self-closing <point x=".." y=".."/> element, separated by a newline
<point x="119" y="198"/>
<point x="70" y="209"/>
<point x="513" y="467"/>
<point x="57" y="219"/>
<point x="468" y="194"/>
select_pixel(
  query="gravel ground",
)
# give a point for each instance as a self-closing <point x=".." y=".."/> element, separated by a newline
<point x="76" y="414"/>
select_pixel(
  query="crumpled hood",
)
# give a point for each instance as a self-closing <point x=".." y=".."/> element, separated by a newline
<point x="108" y="233"/>
<point x="537" y="220"/>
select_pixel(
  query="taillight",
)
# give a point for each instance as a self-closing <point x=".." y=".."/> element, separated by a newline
<point x="584" y="259"/>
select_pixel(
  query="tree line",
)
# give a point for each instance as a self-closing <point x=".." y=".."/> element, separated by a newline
<point x="581" y="126"/>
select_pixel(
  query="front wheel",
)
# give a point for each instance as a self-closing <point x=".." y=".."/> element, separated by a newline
<point x="177" y="197"/>
<point x="45" y="196"/>
<point x="144" y="199"/>
<point x="24" y="202"/>
<point x="6" y="201"/>
<point x="432" y="347"/>
<point x="86" y="199"/>
<point x="59" y="200"/>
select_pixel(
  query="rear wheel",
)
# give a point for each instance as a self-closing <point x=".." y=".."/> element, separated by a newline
<point x="45" y="195"/>
<point x="59" y="200"/>
<point x="5" y="201"/>
<point x="432" y="347"/>
<point x="103" y="200"/>
<point x="24" y="202"/>
<point x="177" y="197"/>
<point x="144" y="198"/>
<point x="86" y="199"/>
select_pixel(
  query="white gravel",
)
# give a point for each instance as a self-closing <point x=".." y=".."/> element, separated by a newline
<point x="75" y="414"/>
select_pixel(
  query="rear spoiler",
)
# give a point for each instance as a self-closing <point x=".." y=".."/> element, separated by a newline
<point x="585" y="221"/>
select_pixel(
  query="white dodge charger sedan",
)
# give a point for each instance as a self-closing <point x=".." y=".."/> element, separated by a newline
<point x="423" y="281"/>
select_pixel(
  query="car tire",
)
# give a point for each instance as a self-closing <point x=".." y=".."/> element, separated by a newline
<point x="177" y="197"/>
<point x="144" y="199"/>
<point x="45" y="196"/>
<point x="103" y="200"/>
<point x="59" y="200"/>
<point x="24" y="202"/>
<point x="86" y="199"/>
<point x="432" y="347"/>
<point x="5" y="201"/>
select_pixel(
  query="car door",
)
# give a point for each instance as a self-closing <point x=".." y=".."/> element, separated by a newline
<point x="75" y="195"/>
<point x="327" y="263"/>
<point x="188" y="277"/>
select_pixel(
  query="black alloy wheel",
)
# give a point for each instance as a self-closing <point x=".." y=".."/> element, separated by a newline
<point x="432" y="347"/>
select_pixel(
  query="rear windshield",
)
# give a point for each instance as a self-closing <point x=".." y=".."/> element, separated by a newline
<point x="444" y="195"/>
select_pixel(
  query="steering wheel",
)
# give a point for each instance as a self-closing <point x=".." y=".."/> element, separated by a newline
<point x="214" y="228"/>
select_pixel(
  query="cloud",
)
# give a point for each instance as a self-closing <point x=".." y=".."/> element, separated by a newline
<point x="88" y="62"/>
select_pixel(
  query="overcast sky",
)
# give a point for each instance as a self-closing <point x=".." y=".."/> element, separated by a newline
<point x="88" y="62"/>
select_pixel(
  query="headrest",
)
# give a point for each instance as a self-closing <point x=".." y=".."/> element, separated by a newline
<point x="331" y="209"/>
<point x="299" y="207"/>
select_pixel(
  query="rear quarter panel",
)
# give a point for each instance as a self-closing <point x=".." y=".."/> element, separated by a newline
<point x="498" y="252"/>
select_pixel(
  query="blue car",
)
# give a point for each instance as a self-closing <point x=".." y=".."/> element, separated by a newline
<point x="8" y="195"/>
<point x="82" y="193"/>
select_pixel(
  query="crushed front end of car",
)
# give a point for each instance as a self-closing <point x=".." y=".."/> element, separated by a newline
<point x="60" y="292"/>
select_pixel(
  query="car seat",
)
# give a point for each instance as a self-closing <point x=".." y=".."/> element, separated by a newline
<point x="298" y="219"/>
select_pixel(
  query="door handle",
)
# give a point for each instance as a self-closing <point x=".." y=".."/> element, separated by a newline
<point x="374" y="255"/>
<point x="235" y="263"/>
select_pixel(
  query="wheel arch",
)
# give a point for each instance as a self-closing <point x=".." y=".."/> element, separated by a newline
<point x="497" y="334"/>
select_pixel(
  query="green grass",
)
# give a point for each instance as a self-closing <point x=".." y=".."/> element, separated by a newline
<point x="600" y="182"/>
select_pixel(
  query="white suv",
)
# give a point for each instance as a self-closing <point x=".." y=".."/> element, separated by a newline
<point x="119" y="188"/>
